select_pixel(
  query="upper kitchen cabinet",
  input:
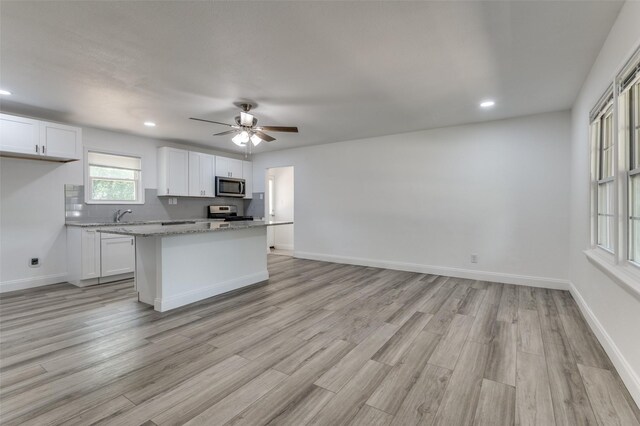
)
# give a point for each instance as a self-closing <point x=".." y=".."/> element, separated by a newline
<point x="247" y="175"/>
<point x="228" y="167"/>
<point x="201" y="174"/>
<point x="26" y="137"/>
<point x="60" y="141"/>
<point x="173" y="171"/>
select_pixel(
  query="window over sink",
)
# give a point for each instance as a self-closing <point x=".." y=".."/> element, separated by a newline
<point x="113" y="179"/>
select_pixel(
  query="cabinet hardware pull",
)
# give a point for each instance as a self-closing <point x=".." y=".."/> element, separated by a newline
<point x="132" y="241"/>
<point x="37" y="149"/>
<point x="167" y="191"/>
<point x="43" y="149"/>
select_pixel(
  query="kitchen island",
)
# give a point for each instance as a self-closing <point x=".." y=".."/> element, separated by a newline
<point x="178" y="264"/>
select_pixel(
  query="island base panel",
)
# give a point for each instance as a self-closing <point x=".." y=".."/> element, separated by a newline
<point x="177" y="270"/>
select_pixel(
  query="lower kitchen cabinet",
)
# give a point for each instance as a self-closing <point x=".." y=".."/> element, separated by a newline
<point x="95" y="257"/>
<point x="90" y="254"/>
<point x="117" y="255"/>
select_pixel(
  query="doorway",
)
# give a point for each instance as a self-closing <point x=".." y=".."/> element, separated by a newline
<point x="279" y="191"/>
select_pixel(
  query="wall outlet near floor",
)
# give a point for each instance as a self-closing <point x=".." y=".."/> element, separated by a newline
<point x="474" y="258"/>
<point x="173" y="201"/>
<point x="34" y="262"/>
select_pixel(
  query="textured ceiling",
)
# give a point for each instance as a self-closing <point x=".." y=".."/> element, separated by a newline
<point x="337" y="70"/>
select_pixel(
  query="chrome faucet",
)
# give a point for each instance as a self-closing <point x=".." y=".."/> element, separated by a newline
<point x="117" y="215"/>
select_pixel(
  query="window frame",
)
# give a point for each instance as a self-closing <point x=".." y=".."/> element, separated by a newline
<point x="633" y="122"/>
<point x="604" y="111"/>
<point x="615" y="263"/>
<point x="87" y="178"/>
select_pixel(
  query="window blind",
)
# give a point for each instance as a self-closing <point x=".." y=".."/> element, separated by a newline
<point x="630" y="72"/>
<point x="114" y="161"/>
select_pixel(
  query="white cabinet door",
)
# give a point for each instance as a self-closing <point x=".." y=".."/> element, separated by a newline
<point x="118" y="256"/>
<point x="207" y="175"/>
<point x="222" y="166"/>
<point x="19" y="135"/>
<point x="201" y="175"/>
<point x="60" y="141"/>
<point x="228" y="167"/>
<point x="235" y="168"/>
<point x="90" y="254"/>
<point x="195" y="190"/>
<point x="173" y="171"/>
<point x="247" y="175"/>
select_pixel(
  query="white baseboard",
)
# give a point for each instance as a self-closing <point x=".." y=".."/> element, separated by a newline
<point x="24" y="283"/>
<point x="544" y="282"/>
<point x="176" y="301"/>
<point x="624" y="369"/>
<point x="283" y="246"/>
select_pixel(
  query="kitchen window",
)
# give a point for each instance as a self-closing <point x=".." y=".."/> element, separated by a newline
<point x="113" y="179"/>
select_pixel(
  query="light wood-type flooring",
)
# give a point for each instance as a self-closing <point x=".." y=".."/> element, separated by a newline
<point x="320" y="343"/>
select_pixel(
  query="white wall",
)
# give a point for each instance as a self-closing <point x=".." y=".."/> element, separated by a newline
<point x="32" y="207"/>
<point x="283" y="182"/>
<point x="613" y="312"/>
<point x="32" y="221"/>
<point x="426" y="200"/>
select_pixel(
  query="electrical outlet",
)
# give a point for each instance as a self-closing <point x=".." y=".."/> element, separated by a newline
<point x="175" y="201"/>
<point x="474" y="258"/>
<point x="261" y="196"/>
<point x="34" y="262"/>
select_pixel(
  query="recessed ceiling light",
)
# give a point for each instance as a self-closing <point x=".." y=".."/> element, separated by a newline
<point x="487" y="104"/>
<point x="4" y="92"/>
<point x="150" y="124"/>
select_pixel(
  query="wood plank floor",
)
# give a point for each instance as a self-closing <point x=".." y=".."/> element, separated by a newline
<point x="320" y="343"/>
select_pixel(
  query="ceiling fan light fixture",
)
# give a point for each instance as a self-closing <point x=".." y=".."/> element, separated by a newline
<point x="255" y="139"/>
<point x="241" y="138"/>
<point x="246" y="119"/>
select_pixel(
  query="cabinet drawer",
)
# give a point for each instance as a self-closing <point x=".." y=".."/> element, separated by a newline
<point x="107" y="236"/>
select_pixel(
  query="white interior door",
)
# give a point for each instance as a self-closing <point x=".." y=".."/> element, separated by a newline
<point x="283" y="207"/>
<point x="270" y="213"/>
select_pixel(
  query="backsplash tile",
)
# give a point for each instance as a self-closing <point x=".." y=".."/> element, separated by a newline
<point x="154" y="207"/>
<point x="255" y="207"/>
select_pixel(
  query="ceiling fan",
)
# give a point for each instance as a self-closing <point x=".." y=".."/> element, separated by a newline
<point x="246" y="128"/>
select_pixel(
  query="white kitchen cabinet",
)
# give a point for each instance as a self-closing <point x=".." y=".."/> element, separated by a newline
<point x="173" y="171"/>
<point x="96" y="258"/>
<point x="201" y="175"/>
<point x="228" y="167"/>
<point x="19" y="135"/>
<point x="117" y="254"/>
<point x="60" y="141"/>
<point x="39" y="139"/>
<point x="247" y="175"/>
<point x="90" y="254"/>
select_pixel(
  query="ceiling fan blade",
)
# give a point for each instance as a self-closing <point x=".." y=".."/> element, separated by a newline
<point x="228" y="132"/>
<point x="280" y="129"/>
<point x="265" y="137"/>
<point x="211" y="121"/>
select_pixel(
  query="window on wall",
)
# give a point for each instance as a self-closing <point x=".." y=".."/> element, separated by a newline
<point x="602" y="128"/>
<point x="113" y="179"/>
<point x="615" y="171"/>
<point x="631" y="99"/>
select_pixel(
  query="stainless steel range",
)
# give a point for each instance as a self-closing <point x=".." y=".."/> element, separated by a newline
<point x="226" y="213"/>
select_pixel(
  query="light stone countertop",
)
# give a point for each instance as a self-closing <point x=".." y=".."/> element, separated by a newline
<point x="93" y="223"/>
<point x="158" y="230"/>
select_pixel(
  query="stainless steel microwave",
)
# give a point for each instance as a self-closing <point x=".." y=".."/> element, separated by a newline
<point x="229" y="187"/>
